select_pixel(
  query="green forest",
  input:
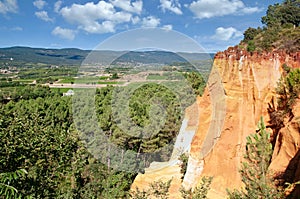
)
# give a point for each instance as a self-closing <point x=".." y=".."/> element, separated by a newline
<point x="93" y="144"/>
<point x="47" y="153"/>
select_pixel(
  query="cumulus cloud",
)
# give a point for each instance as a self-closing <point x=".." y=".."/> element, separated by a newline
<point x="96" y="27"/>
<point x="64" y="33"/>
<point x="226" y="34"/>
<point x="95" y="18"/>
<point x="57" y="6"/>
<point x="213" y="8"/>
<point x="7" y="6"/>
<point x="134" y="7"/>
<point x="171" y="5"/>
<point x="39" y="4"/>
<point x="43" y="15"/>
<point x="150" y="22"/>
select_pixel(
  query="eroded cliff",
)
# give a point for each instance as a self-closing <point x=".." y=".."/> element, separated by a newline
<point x="238" y="93"/>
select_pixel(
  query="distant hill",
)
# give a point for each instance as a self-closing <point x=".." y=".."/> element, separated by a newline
<point x="73" y="56"/>
<point x="68" y="56"/>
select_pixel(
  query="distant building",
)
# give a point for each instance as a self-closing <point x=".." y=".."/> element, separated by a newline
<point x="69" y="93"/>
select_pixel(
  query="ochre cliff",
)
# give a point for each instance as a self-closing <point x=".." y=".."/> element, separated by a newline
<point x="249" y="83"/>
<point x="238" y="93"/>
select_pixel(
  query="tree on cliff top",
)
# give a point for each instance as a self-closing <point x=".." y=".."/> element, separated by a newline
<point x="281" y="30"/>
<point x="280" y="14"/>
<point x="254" y="171"/>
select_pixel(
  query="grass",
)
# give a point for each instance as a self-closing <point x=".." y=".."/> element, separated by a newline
<point x="60" y="90"/>
<point x="27" y="81"/>
<point x="67" y="81"/>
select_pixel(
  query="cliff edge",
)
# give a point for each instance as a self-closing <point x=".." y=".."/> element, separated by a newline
<point x="239" y="90"/>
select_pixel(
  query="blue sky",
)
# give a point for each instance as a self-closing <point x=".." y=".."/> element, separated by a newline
<point x="214" y="24"/>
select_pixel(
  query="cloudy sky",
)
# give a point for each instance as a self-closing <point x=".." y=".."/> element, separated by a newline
<point x="214" y="24"/>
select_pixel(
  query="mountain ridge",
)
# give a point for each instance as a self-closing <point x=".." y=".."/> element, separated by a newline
<point x="74" y="56"/>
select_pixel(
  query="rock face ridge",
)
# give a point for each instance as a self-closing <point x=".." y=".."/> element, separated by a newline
<point x="239" y="90"/>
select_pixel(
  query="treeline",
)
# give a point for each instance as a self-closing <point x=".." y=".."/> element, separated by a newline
<point x="25" y="92"/>
<point x="38" y="136"/>
<point x="280" y="31"/>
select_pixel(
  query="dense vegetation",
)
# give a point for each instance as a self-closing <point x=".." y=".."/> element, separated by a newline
<point x="94" y="149"/>
<point x="281" y="30"/>
<point x="38" y="135"/>
<point x="44" y="155"/>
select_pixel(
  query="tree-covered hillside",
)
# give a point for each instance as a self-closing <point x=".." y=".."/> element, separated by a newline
<point x="281" y="29"/>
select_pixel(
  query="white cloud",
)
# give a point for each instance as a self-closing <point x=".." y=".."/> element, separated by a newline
<point x="134" y="7"/>
<point x="150" y="22"/>
<point x="226" y="34"/>
<point x="96" y="27"/>
<point x="167" y="27"/>
<point x="64" y="33"/>
<point x="39" y="4"/>
<point x="43" y="15"/>
<point x="171" y="5"/>
<point x="213" y="8"/>
<point x="57" y="6"/>
<point x="8" y="6"/>
<point x="135" y="20"/>
<point x="95" y="18"/>
<point x="249" y="10"/>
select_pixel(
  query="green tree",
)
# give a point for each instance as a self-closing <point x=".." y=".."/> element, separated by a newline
<point x="251" y="46"/>
<point x="250" y="33"/>
<point x="200" y="191"/>
<point x="279" y="14"/>
<point x="184" y="161"/>
<point x="255" y="175"/>
<point x="158" y="189"/>
<point x="197" y="82"/>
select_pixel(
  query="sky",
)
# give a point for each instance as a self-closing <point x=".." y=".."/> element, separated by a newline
<point x="213" y="24"/>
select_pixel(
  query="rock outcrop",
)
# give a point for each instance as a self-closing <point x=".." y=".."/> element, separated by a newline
<point x="239" y="90"/>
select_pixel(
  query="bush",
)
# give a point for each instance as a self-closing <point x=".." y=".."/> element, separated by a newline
<point x="251" y="46"/>
<point x="200" y="192"/>
<point x="251" y="33"/>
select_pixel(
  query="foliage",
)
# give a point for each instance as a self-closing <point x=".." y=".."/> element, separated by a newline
<point x="281" y="29"/>
<point x="251" y="46"/>
<point x="288" y="90"/>
<point x="279" y="14"/>
<point x="38" y="135"/>
<point x="158" y="189"/>
<point x="6" y="179"/>
<point x="199" y="192"/>
<point x="251" y="33"/>
<point x="145" y="103"/>
<point x="137" y="194"/>
<point x="184" y="157"/>
<point x="254" y="171"/>
<point x="25" y="93"/>
<point x="197" y="82"/>
<point x="115" y="76"/>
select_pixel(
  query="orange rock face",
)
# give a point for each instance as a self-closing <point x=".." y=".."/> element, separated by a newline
<point x="249" y="83"/>
<point x="239" y="90"/>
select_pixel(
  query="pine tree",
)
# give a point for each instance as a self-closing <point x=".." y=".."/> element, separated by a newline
<point x="254" y="171"/>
